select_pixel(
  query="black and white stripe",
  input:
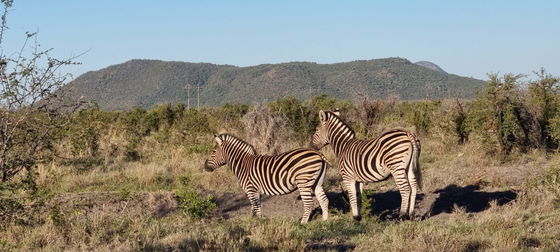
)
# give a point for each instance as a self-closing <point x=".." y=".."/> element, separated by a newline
<point x="395" y="153"/>
<point x="302" y="169"/>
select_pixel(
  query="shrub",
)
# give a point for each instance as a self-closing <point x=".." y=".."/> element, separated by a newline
<point x="500" y="116"/>
<point x="545" y="100"/>
<point x="421" y="116"/>
<point x="460" y="116"/>
<point x="10" y="210"/>
<point x="194" y="124"/>
<point x="86" y="128"/>
<point x="554" y="128"/>
<point x="263" y="129"/>
<point x="297" y="116"/>
<point x="191" y="202"/>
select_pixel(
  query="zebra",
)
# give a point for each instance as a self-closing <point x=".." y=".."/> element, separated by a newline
<point x="395" y="153"/>
<point x="302" y="169"/>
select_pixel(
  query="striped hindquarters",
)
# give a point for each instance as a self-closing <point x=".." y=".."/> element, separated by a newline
<point x="283" y="173"/>
<point x="377" y="159"/>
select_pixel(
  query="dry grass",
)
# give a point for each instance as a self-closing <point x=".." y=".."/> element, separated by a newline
<point x="121" y="206"/>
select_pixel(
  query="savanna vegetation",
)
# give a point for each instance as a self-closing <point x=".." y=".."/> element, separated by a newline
<point x="77" y="177"/>
<point x="133" y="180"/>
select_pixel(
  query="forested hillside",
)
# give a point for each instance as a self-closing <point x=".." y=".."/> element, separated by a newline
<point x="144" y="83"/>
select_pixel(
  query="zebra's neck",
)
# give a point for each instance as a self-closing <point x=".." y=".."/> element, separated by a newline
<point x="236" y="151"/>
<point x="339" y="135"/>
<point x="235" y="159"/>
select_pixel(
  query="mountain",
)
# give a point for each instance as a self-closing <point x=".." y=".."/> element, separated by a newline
<point x="144" y="83"/>
<point x="430" y="65"/>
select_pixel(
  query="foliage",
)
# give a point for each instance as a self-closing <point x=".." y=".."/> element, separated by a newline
<point x="297" y="116"/>
<point x="367" y="203"/>
<point x="460" y="119"/>
<point x="86" y="128"/>
<point x="32" y="113"/>
<point x="554" y="128"/>
<point x="501" y="117"/>
<point x="544" y="96"/>
<point x="421" y="115"/>
<point x="193" y="124"/>
<point x="191" y="202"/>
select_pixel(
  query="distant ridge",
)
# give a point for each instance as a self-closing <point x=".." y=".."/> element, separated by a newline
<point x="144" y="83"/>
<point x="430" y="65"/>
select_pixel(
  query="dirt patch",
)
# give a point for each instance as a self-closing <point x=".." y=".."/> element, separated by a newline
<point x="386" y="204"/>
<point x="230" y="205"/>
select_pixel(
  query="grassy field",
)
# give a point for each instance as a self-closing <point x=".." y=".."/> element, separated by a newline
<point x="133" y="180"/>
<point x="470" y="203"/>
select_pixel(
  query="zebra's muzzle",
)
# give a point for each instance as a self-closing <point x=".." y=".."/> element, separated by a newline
<point x="315" y="146"/>
<point x="207" y="167"/>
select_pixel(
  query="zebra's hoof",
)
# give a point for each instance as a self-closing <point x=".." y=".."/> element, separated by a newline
<point x="357" y="218"/>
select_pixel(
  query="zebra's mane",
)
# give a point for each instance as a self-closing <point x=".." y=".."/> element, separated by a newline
<point x="235" y="140"/>
<point x="331" y="116"/>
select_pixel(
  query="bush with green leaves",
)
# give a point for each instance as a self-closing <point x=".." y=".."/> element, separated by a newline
<point x="420" y="115"/>
<point x="86" y="128"/>
<point x="501" y="118"/>
<point x="191" y="202"/>
<point x="544" y="98"/>
<point x="193" y="125"/>
<point x="297" y="116"/>
<point x="553" y="129"/>
<point x="228" y="117"/>
<point x="302" y="117"/>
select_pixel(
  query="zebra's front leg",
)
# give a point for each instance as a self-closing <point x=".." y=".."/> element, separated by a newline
<point x="255" y="199"/>
<point x="354" y="194"/>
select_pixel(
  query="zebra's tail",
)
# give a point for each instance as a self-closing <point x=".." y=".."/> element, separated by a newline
<point x="327" y="164"/>
<point x="415" y="162"/>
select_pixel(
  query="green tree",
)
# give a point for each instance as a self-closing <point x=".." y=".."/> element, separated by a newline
<point x="500" y="116"/>
<point x="32" y="111"/>
<point x="544" y="98"/>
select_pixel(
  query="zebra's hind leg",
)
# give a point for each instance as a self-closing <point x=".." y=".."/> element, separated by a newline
<point x="402" y="181"/>
<point x="306" y="194"/>
<point x="414" y="190"/>
<point x="320" y="193"/>
<point x="255" y="199"/>
<point x="323" y="201"/>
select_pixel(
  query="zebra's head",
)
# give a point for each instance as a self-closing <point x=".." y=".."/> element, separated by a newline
<point x="217" y="158"/>
<point x="321" y="137"/>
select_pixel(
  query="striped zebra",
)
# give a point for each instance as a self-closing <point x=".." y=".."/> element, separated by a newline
<point x="394" y="153"/>
<point x="302" y="169"/>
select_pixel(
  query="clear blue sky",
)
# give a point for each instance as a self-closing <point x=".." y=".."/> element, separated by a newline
<point x="469" y="38"/>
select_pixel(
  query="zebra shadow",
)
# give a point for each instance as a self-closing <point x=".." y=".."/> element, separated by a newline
<point x="470" y="198"/>
<point x="386" y="205"/>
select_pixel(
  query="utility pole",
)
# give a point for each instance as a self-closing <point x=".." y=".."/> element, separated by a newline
<point x="198" y="95"/>
<point x="188" y="87"/>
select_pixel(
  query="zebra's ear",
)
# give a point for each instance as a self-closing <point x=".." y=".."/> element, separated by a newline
<point x="322" y="115"/>
<point x="218" y="140"/>
<point x="336" y="111"/>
